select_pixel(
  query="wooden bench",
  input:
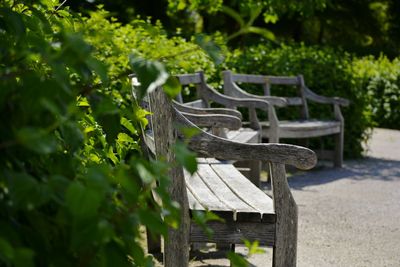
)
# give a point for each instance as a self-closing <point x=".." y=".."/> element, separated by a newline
<point x="218" y="187"/>
<point x="305" y="126"/>
<point x="207" y="96"/>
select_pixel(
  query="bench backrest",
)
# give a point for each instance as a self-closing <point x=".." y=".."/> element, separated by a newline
<point x="231" y="87"/>
<point x="198" y="80"/>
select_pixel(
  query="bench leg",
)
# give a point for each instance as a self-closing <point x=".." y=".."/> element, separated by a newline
<point x="285" y="249"/>
<point x="338" y="157"/>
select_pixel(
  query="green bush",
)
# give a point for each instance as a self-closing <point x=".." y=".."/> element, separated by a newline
<point x="326" y="72"/>
<point x="75" y="188"/>
<point x="380" y="78"/>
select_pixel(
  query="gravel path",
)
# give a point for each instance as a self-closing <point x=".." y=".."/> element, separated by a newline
<point x="348" y="216"/>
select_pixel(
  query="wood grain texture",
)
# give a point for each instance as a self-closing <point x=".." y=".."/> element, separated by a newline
<point x="176" y="251"/>
<point x="218" y="186"/>
<point x="214" y="120"/>
<point x="207" y="94"/>
<point x="235" y="233"/>
<point x="195" y="110"/>
<point x="216" y="147"/>
<point x="285" y="248"/>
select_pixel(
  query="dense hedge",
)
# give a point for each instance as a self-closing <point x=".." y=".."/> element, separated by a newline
<point x="75" y="189"/>
<point x="380" y="79"/>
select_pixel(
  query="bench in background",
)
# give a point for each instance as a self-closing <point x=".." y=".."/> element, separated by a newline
<point x="305" y="126"/>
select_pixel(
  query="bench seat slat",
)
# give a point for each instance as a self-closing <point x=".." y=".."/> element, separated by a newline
<point x="245" y="190"/>
<point x="243" y="135"/>
<point x="221" y="190"/>
<point x="202" y="194"/>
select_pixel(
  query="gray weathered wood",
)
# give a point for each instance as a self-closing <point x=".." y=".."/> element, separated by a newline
<point x="235" y="233"/>
<point x="285" y="248"/>
<point x="214" y="120"/>
<point x="176" y="251"/>
<point x="207" y="94"/>
<point x="218" y="186"/>
<point x="274" y="129"/>
<point x="196" y="110"/>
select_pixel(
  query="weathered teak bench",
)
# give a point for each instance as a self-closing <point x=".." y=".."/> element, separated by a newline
<point x="305" y="127"/>
<point x="218" y="187"/>
<point x="208" y="95"/>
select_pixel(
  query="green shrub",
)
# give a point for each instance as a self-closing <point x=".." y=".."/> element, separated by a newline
<point x="381" y="79"/>
<point x="325" y="71"/>
<point x="75" y="188"/>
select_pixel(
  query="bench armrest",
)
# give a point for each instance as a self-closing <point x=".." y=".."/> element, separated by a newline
<point x="212" y="146"/>
<point x="324" y="99"/>
<point x="229" y="101"/>
<point x="214" y="120"/>
<point x="204" y="111"/>
<point x="236" y="91"/>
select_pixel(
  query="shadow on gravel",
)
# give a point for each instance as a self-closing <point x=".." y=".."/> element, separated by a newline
<point x="368" y="168"/>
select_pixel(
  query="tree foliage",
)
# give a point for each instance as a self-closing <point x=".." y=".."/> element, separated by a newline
<point x="75" y="189"/>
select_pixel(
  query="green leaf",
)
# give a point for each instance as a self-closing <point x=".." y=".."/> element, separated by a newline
<point x="153" y="222"/>
<point x="99" y="68"/>
<point x="172" y="87"/>
<point x="111" y="126"/>
<point x="150" y="74"/>
<point x="26" y="192"/>
<point x="189" y="132"/>
<point x="14" y="22"/>
<point x="82" y="202"/>
<point x="253" y="247"/>
<point x="37" y="140"/>
<point x="111" y="155"/>
<point x="185" y="157"/>
<point x="237" y="260"/>
<point x="6" y="251"/>
<point x="24" y="257"/>
<point x="128" y="125"/>
<point x="72" y="134"/>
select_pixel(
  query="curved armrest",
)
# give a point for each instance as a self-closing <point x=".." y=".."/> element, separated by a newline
<point x="274" y="100"/>
<point x="229" y="101"/>
<point x="214" y="120"/>
<point x="204" y="111"/>
<point x="324" y="99"/>
<point x="213" y="146"/>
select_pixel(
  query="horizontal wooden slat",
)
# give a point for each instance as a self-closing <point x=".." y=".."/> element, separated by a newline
<point x="221" y="190"/>
<point x="203" y="194"/>
<point x="249" y="78"/>
<point x="235" y="233"/>
<point x="262" y="79"/>
<point x="243" y="135"/>
<point x="185" y="79"/>
<point x="245" y="190"/>
<point x="283" y="80"/>
<point x="196" y="104"/>
<point x="294" y="101"/>
<point x="194" y="204"/>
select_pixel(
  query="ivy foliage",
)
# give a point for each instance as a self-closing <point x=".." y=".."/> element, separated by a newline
<point x="75" y="189"/>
